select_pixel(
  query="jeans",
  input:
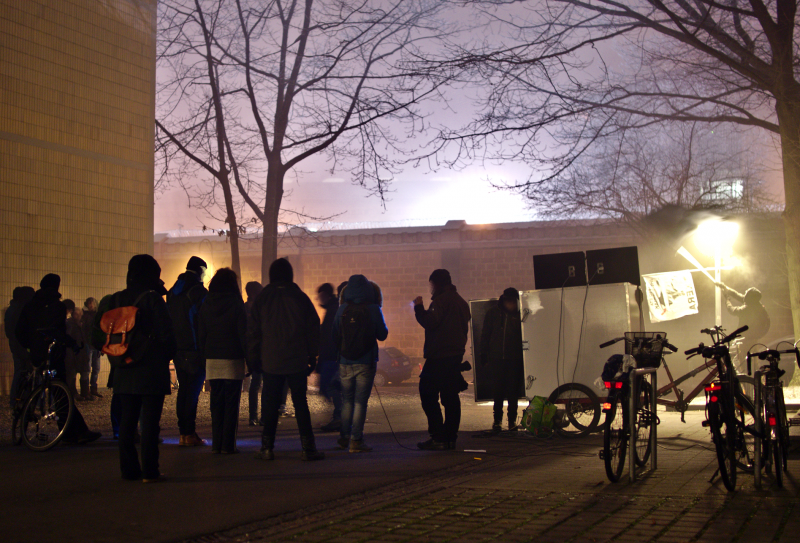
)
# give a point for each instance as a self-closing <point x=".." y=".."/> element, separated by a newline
<point x="94" y="361"/>
<point x="21" y="367"/>
<point x="225" y="397"/>
<point x="255" y="387"/>
<point x="141" y="410"/>
<point x="508" y="379"/>
<point x="440" y="379"/>
<point x="330" y="385"/>
<point x="357" y="382"/>
<point x="189" y="387"/>
<point x="271" y="399"/>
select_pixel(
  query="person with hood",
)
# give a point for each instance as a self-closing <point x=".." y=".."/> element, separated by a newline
<point x="283" y="342"/>
<point x="87" y="321"/>
<point x="446" y="324"/>
<point x="183" y="302"/>
<point x="330" y="386"/>
<point x="222" y="337"/>
<point x="46" y="311"/>
<point x="140" y="387"/>
<point x="22" y="362"/>
<point x="751" y="313"/>
<point x="357" y="328"/>
<point x="501" y="350"/>
<point x="252" y="289"/>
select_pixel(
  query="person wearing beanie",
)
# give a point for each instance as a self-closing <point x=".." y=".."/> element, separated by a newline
<point x="46" y="311"/>
<point x="501" y="356"/>
<point x="22" y="363"/>
<point x="184" y="300"/>
<point x="751" y="312"/>
<point x="283" y="343"/>
<point x="140" y="387"/>
<point x="446" y="324"/>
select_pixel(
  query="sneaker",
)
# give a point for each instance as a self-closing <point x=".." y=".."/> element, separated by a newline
<point x="343" y="442"/>
<point x="513" y="426"/>
<point x="96" y="394"/>
<point x="359" y="446"/>
<point x="432" y="445"/>
<point x="193" y="440"/>
<point x="497" y="426"/>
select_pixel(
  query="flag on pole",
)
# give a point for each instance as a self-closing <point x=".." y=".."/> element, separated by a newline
<point x="670" y="295"/>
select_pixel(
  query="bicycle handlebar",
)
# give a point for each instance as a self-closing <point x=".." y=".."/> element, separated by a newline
<point x="695" y="350"/>
<point x="610" y="342"/>
<point x="671" y="347"/>
<point x="734" y="334"/>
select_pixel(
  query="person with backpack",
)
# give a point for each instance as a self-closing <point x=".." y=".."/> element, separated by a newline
<point x="252" y="289"/>
<point x="446" y="324"/>
<point x="357" y="328"/>
<point x="283" y="342"/>
<point x="330" y="386"/>
<point x="140" y="361"/>
<point x="501" y="351"/>
<point x="184" y="300"/>
<point x="47" y="313"/>
<point x="223" y="343"/>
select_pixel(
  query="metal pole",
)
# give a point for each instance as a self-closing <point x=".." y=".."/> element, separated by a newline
<point x="632" y="426"/>
<point x="654" y="427"/>
<point x="759" y="411"/>
<point x="717" y="290"/>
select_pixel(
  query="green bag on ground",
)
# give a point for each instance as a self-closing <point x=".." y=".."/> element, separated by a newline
<point x="538" y="417"/>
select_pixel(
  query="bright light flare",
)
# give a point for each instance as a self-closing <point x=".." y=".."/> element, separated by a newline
<point x="716" y="237"/>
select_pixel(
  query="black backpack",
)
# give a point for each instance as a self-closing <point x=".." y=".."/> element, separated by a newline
<point x="357" y="334"/>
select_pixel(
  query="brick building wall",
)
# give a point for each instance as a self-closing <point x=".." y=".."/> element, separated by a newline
<point x="77" y="105"/>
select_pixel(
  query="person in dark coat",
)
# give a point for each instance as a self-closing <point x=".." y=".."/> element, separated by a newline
<point x="283" y="341"/>
<point x="22" y="363"/>
<point x="87" y="321"/>
<point x="501" y="352"/>
<point x="223" y="343"/>
<point x="252" y="289"/>
<point x="46" y="311"/>
<point x="183" y="302"/>
<point x="140" y="387"/>
<point x="330" y="385"/>
<point x="751" y="313"/>
<point x="446" y="324"/>
<point x="78" y="360"/>
<point x="357" y="328"/>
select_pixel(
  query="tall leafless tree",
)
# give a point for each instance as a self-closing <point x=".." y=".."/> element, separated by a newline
<point x="285" y="80"/>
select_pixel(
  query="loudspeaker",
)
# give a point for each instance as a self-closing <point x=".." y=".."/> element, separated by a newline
<point x="607" y="266"/>
<point x="559" y="270"/>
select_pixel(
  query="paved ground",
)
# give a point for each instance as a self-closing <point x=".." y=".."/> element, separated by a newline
<point x="519" y="489"/>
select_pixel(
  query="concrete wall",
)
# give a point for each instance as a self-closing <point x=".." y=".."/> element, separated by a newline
<point x="77" y="104"/>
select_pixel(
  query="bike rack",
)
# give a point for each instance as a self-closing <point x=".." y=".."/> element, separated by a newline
<point x="632" y="422"/>
<point x="758" y="411"/>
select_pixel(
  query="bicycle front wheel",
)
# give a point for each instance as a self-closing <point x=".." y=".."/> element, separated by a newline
<point x="645" y="419"/>
<point x="615" y="438"/>
<point x="777" y="452"/>
<point x="577" y="409"/>
<point x="46" y="416"/>
<point x="723" y="433"/>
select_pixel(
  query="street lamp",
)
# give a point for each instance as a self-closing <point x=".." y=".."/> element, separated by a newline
<point x="715" y="237"/>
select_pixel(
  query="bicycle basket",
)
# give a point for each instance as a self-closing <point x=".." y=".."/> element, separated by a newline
<point x="645" y="347"/>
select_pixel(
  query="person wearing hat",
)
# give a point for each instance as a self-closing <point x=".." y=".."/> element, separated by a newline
<point x="751" y="313"/>
<point x="46" y="311"/>
<point x="446" y="324"/>
<point x="140" y="387"/>
<point x="501" y="353"/>
<point x="183" y="302"/>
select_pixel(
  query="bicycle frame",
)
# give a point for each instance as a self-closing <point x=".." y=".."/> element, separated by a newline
<point x="681" y="404"/>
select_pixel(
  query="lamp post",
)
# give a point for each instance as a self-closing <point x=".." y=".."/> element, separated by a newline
<point x="715" y="237"/>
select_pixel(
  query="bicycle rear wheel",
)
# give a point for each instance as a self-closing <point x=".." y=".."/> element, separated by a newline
<point x="644" y="423"/>
<point x="748" y="385"/>
<point x="46" y="416"/>
<point x="615" y="438"/>
<point x="723" y="432"/>
<point x="578" y="409"/>
<point x="777" y="452"/>
<point x="744" y="418"/>
<point x="783" y="430"/>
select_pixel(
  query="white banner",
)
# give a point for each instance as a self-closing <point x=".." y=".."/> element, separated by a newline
<point x="670" y="295"/>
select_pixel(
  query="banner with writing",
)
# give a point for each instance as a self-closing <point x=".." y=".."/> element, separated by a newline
<point x="670" y="295"/>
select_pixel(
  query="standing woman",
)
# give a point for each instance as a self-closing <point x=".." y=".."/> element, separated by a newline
<point x="222" y="342"/>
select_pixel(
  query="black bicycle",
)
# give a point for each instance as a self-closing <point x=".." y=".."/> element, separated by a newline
<point x="730" y="414"/>
<point x="772" y="409"/>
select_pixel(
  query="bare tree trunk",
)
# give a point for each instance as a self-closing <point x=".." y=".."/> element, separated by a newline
<point x="790" y="147"/>
<point x="272" y="207"/>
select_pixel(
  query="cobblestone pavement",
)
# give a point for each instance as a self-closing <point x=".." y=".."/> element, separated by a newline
<point x="534" y="490"/>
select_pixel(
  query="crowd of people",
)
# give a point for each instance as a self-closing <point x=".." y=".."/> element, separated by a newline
<point x="275" y="337"/>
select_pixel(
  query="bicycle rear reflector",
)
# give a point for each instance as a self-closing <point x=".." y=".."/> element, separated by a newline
<point x="773" y="421"/>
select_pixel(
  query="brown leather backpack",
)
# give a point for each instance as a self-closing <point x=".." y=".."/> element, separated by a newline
<point x="119" y="326"/>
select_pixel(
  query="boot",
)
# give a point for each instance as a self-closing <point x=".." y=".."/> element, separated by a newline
<point x="512" y="424"/>
<point x="497" y="426"/>
<point x="267" y="446"/>
<point x="95" y="393"/>
<point x="86" y="396"/>
<point x="359" y="446"/>
<point x="310" y="451"/>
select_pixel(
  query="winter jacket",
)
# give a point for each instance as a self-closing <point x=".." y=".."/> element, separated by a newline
<point x="184" y="300"/>
<point x="327" y="345"/>
<point x="222" y="326"/>
<point x="501" y="335"/>
<point x="446" y="324"/>
<point x="283" y="330"/>
<point x="10" y="320"/>
<point x="361" y="291"/>
<point x="148" y="376"/>
<point x="754" y="315"/>
<point x="79" y="360"/>
<point x="44" y="311"/>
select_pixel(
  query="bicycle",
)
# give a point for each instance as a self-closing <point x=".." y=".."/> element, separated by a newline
<point x="26" y="387"/>
<point x="47" y="411"/>
<point x="729" y="413"/>
<point x="643" y="350"/>
<point x="772" y="409"/>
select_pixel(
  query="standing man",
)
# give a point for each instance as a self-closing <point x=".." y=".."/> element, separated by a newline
<point x="501" y="350"/>
<point x="283" y="342"/>
<point x="89" y="312"/>
<point x="751" y="312"/>
<point x="183" y="302"/>
<point x="252" y="289"/>
<point x="330" y="384"/>
<point x="446" y="324"/>
<point x="22" y="363"/>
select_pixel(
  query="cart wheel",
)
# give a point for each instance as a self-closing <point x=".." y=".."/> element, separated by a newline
<point x="578" y="410"/>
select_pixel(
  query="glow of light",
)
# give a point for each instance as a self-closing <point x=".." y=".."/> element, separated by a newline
<point x="716" y="237"/>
